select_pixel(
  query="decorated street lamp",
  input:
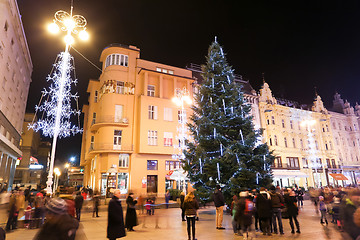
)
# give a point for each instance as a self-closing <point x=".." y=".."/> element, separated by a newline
<point x="56" y="105"/>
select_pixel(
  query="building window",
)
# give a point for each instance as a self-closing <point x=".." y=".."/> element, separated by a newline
<point x="117" y="59"/>
<point x="181" y="116"/>
<point x="333" y="163"/>
<point x="118" y="113"/>
<point x="152" y="138"/>
<point x="268" y="121"/>
<point x="117" y="139"/>
<point x="291" y="124"/>
<point x="6" y="26"/>
<point x="172" y="165"/>
<point x="92" y="140"/>
<point x="270" y="141"/>
<point x="301" y="143"/>
<point x="124" y="160"/>
<point x="151" y="90"/>
<point x="292" y="162"/>
<point x="316" y="145"/>
<point x="168" y="139"/>
<point x="94" y="118"/>
<point x="294" y="143"/>
<point x="273" y="120"/>
<point x="326" y="146"/>
<point x="283" y="123"/>
<point x="120" y="87"/>
<point x="152" y="165"/>
<point x="277" y="163"/>
<point x="328" y="163"/>
<point x="305" y="163"/>
<point x="152" y="112"/>
<point x="168" y="114"/>
<point x="327" y="128"/>
<point x="96" y="94"/>
<point x="285" y="142"/>
<point x="275" y="140"/>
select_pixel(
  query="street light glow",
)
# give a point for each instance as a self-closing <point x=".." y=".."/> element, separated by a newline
<point x="57" y="171"/>
<point x="67" y="165"/>
<point x="84" y="35"/>
<point x="69" y="24"/>
<point x="69" y="39"/>
<point x="72" y="159"/>
<point x="53" y="28"/>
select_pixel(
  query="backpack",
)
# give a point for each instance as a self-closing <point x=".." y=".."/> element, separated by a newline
<point x="249" y="206"/>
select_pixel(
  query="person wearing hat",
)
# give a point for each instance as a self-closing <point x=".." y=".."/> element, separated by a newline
<point x="219" y="202"/>
<point x="115" y="228"/>
<point x="59" y="224"/>
<point x="130" y="219"/>
<point x="244" y="211"/>
<point x="263" y="206"/>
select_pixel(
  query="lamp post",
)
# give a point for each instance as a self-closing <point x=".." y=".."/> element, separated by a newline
<point x="57" y="175"/>
<point x="181" y="97"/>
<point x="71" y="24"/>
<point x="309" y="123"/>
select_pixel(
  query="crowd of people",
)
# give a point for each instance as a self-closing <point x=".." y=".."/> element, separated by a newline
<point x="263" y="210"/>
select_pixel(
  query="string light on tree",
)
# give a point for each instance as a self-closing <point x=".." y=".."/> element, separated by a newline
<point x="55" y="102"/>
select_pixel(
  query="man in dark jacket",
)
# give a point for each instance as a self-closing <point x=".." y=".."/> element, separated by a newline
<point x="347" y="211"/>
<point x="219" y="204"/>
<point x="116" y="227"/>
<point x="277" y="202"/>
<point x="263" y="207"/>
<point x="79" y="200"/>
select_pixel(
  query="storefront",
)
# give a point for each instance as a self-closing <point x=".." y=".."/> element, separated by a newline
<point x="290" y="178"/>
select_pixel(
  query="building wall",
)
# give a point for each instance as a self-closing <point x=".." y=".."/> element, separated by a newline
<point x="15" y="77"/>
<point x="101" y="157"/>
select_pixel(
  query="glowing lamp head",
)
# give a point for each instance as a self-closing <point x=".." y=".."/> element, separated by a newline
<point x="177" y="101"/>
<point x="69" y="39"/>
<point x="57" y="171"/>
<point x="69" y="24"/>
<point x="84" y="35"/>
<point x="53" y="28"/>
<point x="67" y="165"/>
<point x="187" y="99"/>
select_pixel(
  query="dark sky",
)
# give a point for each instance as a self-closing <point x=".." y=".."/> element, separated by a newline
<point x="297" y="44"/>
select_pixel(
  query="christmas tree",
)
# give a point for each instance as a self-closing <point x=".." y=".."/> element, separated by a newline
<point x="224" y="147"/>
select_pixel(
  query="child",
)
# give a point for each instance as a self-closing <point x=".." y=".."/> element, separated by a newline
<point x="27" y="216"/>
<point x="148" y="206"/>
<point x="322" y="208"/>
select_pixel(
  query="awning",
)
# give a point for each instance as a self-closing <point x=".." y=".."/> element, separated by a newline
<point x="289" y="173"/>
<point x="338" y="176"/>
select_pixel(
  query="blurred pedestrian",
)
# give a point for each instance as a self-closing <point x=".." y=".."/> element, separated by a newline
<point x="182" y="198"/>
<point x="59" y="224"/>
<point x="167" y="198"/>
<point x="219" y="202"/>
<point x="130" y="218"/>
<point x="234" y="221"/>
<point x="27" y="214"/>
<point x="322" y="208"/>
<point x="263" y="206"/>
<point x="96" y="204"/>
<point x="79" y="201"/>
<point x="190" y="207"/>
<point x="347" y="210"/>
<point x="115" y="228"/>
<point x="292" y="209"/>
<point x="300" y="197"/>
<point x="244" y="211"/>
<point x="148" y="206"/>
<point x="141" y="204"/>
<point x="38" y="214"/>
<point x="2" y="234"/>
<point x="277" y="202"/>
<point x="13" y="214"/>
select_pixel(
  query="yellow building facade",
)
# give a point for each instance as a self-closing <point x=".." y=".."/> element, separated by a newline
<point x="301" y="139"/>
<point x="131" y="123"/>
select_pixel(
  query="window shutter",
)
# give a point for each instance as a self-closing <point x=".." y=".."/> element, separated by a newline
<point x="155" y="112"/>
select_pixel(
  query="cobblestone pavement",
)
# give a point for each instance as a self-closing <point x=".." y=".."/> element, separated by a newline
<point x="167" y="224"/>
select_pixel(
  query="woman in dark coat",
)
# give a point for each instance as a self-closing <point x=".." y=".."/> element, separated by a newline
<point x="243" y="215"/>
<point x="263" y="206"/>
<point x="115" y="228"/>
<point x="130" y="219"/>
<point x="292" y="209"/>
<point x="190" y="206"/>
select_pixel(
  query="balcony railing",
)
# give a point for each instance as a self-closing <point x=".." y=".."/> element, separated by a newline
<point x="110" y="119"/>
<point x="109" y="147"/>
<point x="284" y="166"/>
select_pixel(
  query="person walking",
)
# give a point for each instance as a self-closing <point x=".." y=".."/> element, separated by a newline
<point x="115" y="228"/>
<point x="234" y="221"/>
<point x="130" y="219"/>
<point x="190" y="206"/>
<point x="219" y="204"/>
<point x="167" y="198"/>
<point x="59" y="224"/>
<point x="244" y="211"/>
<point x="96" y="201"/>
<point x="263" y="206"/>
<point x="79" y="200"/>
<point x="277" y="202"/>
<point x="300" y="197"/>
<point x="322" y="208"/>
<point x="182" y="198"/>
<point x="292" y="209"/>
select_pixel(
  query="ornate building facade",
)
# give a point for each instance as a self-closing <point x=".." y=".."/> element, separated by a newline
<point x="15" y="77"/>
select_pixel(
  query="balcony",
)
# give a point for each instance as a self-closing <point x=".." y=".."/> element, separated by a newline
<point x="98" y="148"/>
<point x="108" y="120"/>
<point x="284" y="166"/>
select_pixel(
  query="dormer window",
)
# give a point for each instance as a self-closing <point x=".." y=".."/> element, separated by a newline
<point x="117" y="59"/>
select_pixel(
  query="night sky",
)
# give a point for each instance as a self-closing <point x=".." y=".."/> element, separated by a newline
<point x="298" y="45"/>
